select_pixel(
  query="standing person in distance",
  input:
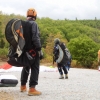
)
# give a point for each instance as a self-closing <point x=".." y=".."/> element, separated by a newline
<point x="59" y="46"/>
<point x="36" y="45"/>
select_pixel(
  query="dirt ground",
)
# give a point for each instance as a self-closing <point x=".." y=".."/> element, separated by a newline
<point x="82" y="84"/>
<point x="5" y="96"/>
<point x="2" y="62"/>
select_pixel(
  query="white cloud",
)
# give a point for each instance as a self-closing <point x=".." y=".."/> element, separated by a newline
<point x="55" y="9"/>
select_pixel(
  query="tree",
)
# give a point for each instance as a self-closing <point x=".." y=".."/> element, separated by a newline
<point x="84" y="50"/>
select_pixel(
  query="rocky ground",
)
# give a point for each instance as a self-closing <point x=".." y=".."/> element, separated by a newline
<point x="83" y="84"/>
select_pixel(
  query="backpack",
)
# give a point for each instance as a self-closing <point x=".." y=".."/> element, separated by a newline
<point x="15" y="35"/>
<point x="68" y="54"/>
<point x="59" y="54"/>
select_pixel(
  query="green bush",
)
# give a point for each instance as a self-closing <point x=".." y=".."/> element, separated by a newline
<point x="3" y="52"/>
<point x="2" y="43"/>
<point x="84" y="50"/>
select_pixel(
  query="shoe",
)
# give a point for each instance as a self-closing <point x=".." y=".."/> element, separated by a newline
<point x="66" y="76"/>
<point x="33" y="92"/>
<point x="61" y="77"/>
<point x="23" y="88"/>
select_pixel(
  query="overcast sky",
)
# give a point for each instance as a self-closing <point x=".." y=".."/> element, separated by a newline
<point x="54" y="9"/>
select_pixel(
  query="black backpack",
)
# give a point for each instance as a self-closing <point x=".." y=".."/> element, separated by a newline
<point x="62" y="55"/>
<point x="14" y="36"/>
<point x="16" y="33"/>
<point x="68" y="54"/>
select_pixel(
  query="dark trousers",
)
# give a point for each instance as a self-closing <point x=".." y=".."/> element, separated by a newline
<point x="68" y="66"/>
<point x="33" y="71"/>
<point x="62" y="68"/>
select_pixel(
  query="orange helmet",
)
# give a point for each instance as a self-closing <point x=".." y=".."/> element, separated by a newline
<point x="31" y="12"/>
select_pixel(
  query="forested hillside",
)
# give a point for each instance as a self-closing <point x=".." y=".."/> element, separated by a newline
<point x="82" y="37"/>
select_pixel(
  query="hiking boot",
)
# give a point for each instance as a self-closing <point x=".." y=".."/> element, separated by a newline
<point x="23" y="88"/>
<point x="61" y="77"/>
<point x="66" y="76"/>
<point x="33" y="92"/>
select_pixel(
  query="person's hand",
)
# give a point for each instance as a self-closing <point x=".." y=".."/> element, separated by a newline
<point x="41" y="54"/>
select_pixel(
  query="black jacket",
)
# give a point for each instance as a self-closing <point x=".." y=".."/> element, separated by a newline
<point x="32" y="35"/>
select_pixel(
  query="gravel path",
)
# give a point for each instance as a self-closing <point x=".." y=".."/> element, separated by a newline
<point x="83" y="84"/>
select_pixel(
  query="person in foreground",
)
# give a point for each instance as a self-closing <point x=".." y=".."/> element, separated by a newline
<point x="60" y="58"/>
<point x="36" y="45"/>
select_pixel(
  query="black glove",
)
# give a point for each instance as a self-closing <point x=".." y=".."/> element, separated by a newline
<point x="38" y="49"/>
<point x="41" y="54"/>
